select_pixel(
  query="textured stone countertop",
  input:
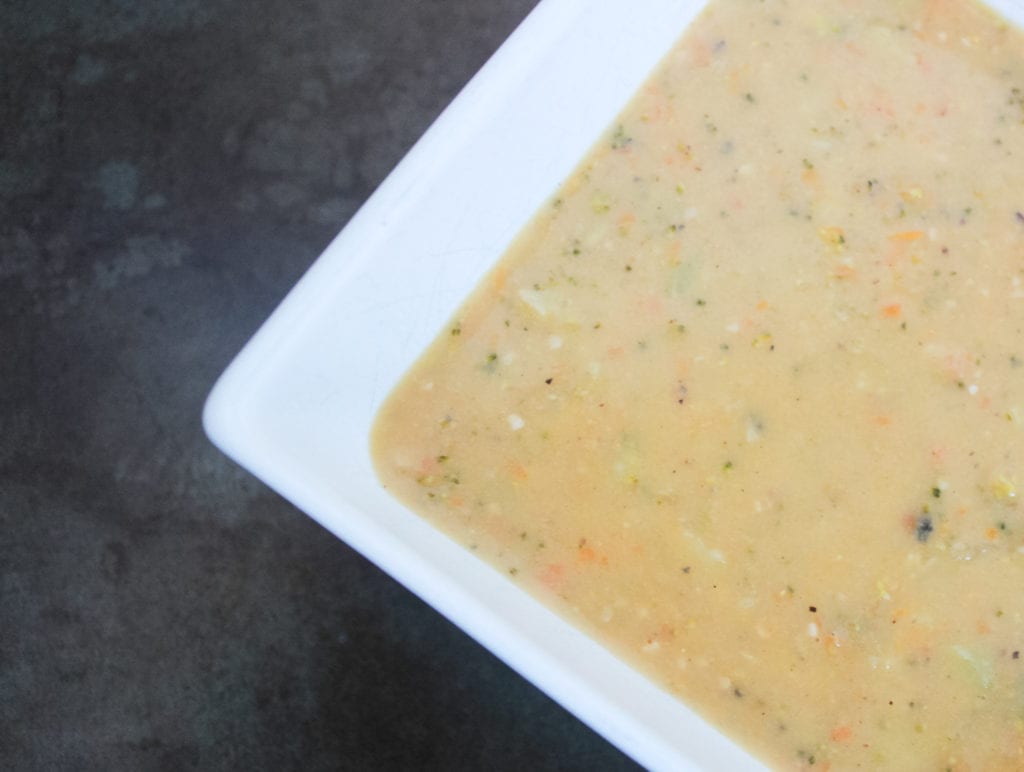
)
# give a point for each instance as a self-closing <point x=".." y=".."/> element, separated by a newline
<point x="168" y="169"/>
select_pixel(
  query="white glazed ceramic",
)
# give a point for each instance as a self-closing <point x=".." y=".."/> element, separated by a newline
<point x="296" y="405"/>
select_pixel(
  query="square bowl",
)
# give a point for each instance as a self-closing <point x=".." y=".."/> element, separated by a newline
<point x="296" y="406"/>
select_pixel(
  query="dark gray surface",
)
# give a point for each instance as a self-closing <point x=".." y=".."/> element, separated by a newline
<point x="168" y="168"/>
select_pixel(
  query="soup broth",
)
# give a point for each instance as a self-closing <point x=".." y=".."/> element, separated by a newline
<point x="745" y="401"/>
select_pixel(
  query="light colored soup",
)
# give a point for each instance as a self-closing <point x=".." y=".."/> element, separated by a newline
<point x="746" y="399"/>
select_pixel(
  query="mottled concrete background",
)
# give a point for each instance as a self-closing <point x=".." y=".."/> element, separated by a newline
<point x="168" y="168"/>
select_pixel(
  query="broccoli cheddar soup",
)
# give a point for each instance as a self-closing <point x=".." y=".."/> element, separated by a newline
<point x="745" y="401"/>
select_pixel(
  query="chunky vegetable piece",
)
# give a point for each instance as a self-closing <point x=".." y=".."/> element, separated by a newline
<point x="746" y="400"/>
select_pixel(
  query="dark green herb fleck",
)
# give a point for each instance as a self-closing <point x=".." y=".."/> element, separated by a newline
<point x="620" y="139"/>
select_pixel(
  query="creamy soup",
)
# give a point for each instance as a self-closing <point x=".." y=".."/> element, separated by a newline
<point x="746" y="400"/>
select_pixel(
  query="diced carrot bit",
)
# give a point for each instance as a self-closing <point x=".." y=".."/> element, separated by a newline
<point x="844" y="271"/>
<point x="588" y="554"/>
<point x="906" y="236"/>
<point x="841" y="733"/>
<point x="552" y="576"/>
<point x="518" y="471"/>
<point x="892" y="311"/>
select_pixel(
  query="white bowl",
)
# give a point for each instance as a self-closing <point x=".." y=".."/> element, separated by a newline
<point x="296" y="405"/>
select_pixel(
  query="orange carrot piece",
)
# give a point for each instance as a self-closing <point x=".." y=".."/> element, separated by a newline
<point x="518" y="471"/>
<point x="841" y="733"/>
<point x="552" y="576"/>
<point x="892" y="311"/>
<point x="906" y="236"/>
